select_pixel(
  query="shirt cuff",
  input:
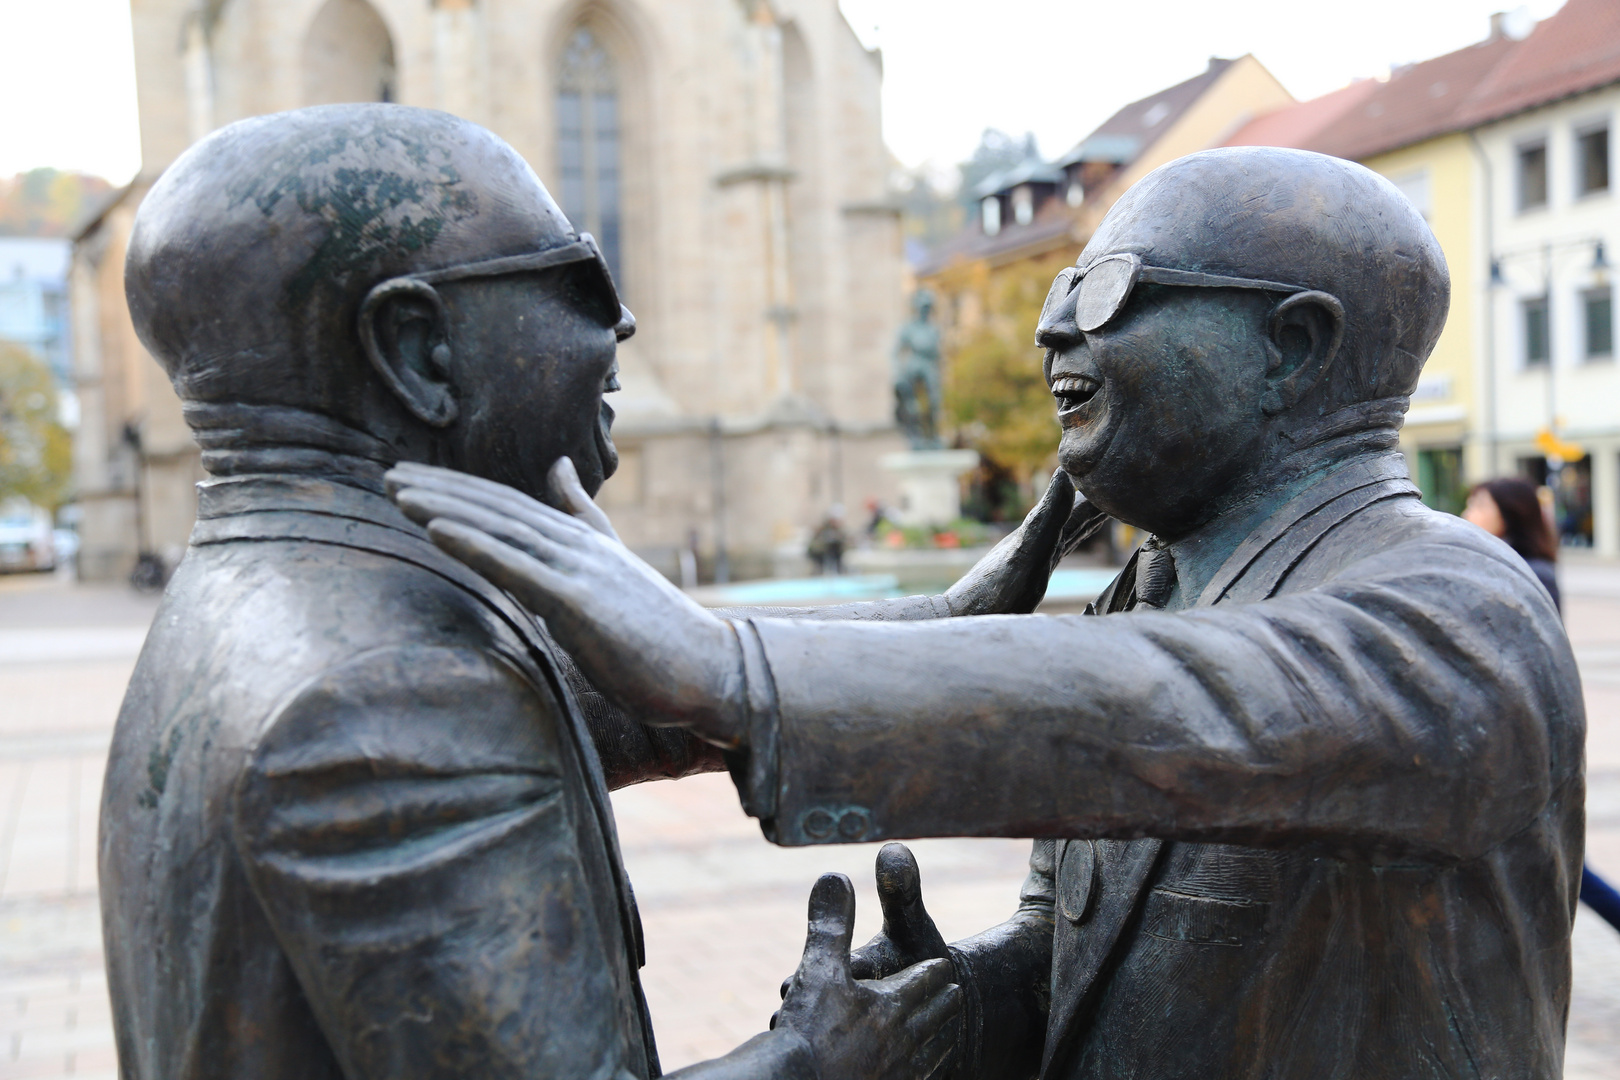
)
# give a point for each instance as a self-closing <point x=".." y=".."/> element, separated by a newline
<point x="754" y="767"/>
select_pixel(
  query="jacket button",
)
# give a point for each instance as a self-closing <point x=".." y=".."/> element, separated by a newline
<point x="1076" y="879"/>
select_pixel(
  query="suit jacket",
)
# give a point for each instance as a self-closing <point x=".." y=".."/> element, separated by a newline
<point x="354" y="824"/>
<point x="1328" y="824"/>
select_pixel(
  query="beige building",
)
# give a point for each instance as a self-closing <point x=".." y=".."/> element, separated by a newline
<point x="728" y="155"/>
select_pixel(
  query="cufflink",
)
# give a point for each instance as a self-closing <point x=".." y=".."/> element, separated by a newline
<point x="836" y="824"/>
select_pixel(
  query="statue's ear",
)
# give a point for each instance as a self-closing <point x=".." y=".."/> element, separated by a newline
<point x="405" y="334"/>
<point x="1303" y="338"/>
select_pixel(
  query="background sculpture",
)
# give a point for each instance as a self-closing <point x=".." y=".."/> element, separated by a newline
<point x="917" y="400"/>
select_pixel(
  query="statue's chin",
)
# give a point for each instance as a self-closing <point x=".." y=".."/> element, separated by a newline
<point x="607" y="454"/>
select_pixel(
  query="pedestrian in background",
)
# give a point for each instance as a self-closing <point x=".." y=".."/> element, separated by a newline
<point x="1510" y="509"/>
<point x="827" y="544"/>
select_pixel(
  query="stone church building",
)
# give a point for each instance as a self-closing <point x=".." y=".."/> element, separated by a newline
<point x="727" y="154"/>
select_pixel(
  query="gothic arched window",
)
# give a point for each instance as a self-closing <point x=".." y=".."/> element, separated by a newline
<point x="348" y="55"/>
<point x="588" y="142"/>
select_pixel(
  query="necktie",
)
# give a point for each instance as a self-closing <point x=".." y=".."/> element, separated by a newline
<point x="1155" y="574"/>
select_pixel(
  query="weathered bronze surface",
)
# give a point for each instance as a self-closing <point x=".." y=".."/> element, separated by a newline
<point x="355" y="822"/>
<point x="917" y="389"/>
<point x="1308" y="801"/>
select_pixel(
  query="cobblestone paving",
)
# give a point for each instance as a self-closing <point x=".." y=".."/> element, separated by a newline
<point x="724" y="910"/>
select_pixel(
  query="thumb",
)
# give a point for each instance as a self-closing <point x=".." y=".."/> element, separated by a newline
<point x="569" y="495"/>
<point x="1052" y="511"/>
<point x="906" y="921"/>
<point x="832" y="925"/>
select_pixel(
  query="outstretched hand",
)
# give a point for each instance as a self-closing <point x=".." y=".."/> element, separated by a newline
<point x="1011" y="579"/>
<point x="906" y="1025"/>
<point x="656" y="653"/>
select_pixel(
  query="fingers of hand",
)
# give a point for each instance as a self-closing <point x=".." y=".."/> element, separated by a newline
<point x="832" y="925"/>
<point x="905" y="920"/>
<point x="1051" y="512"/>
<point x="876" y="959"/>
<point x="570" y="494"/>
<point x="414" y="474"/>
<point x="938" y="1027"/>
<point x="1084" y="520"/>
<point x="898" y="881"/>
<point x="537" y="584"/>
<point x="920" y="985"/>
<point x="493" y="496"/>
<point x="424" y="506"/>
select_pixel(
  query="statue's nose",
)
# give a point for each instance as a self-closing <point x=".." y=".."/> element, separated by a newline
<point x="1058" y="330"/>
<point x="626" y="326"/>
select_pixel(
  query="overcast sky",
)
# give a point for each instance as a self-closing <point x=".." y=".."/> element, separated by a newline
<point x="952" y="67"/>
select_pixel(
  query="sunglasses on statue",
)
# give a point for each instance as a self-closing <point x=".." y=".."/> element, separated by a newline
<point x="1100" y="291"/>
<point x="599" y="287"/>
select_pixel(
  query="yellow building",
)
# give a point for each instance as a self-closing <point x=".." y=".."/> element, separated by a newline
<point x="1406" y="127"/>
<point x="1438" y="176"/>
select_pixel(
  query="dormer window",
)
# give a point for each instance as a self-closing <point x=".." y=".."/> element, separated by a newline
<point x="1023" y="200"/>
<point x="990" y="215"/>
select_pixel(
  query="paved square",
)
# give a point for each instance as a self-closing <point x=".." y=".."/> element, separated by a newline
<point x="724" y="911"/>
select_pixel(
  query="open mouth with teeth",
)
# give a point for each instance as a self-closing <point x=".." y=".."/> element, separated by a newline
<point x="1073" y="391"/>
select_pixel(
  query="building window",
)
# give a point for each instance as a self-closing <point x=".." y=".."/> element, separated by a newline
<point x="1537" y="340"/>
<point x="348" y="55"/>
<point x="1592" y="166"/>
<point x="1533" y="176"/>
<point x="1023" y="200"/>
<point x="990" y="215"/>
<point x="588" y="139"/>
<point x="1415" y="186"/>
<point x="1599" y="307"/>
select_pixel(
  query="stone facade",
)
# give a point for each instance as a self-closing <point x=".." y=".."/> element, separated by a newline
<point x="735" y="172"/>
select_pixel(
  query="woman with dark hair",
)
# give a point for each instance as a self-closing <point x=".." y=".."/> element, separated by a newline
<point x="1510" y="510"/>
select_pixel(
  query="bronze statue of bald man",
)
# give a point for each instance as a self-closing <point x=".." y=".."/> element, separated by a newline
<point x="355" y="822"/>
<point x="1308" y="801"/>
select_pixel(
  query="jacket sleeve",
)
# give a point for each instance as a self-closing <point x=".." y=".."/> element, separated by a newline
<point x="1424" y="701"/>
<point x="407" y="824"/>
<point x="1006" y="974"/>
<point x="633" y="753"/>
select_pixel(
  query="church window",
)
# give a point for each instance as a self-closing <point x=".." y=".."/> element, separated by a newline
<point x="348" y="55"/>
<point x="588" y="137"/>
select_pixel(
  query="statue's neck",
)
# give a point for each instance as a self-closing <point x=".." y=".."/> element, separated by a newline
<point x="1301" y="459"/>
<point x="240" y="439"/>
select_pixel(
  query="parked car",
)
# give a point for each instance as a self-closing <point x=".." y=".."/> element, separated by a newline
<point x="27" y="539"/>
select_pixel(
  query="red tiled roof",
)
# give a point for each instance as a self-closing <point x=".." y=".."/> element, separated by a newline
<point x="1298" y="124"/>
<point x="1577" y="49"/>
<point x="1418" y="102"/>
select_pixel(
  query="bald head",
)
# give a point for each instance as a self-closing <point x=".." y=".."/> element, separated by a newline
<point x="1309" y="220"/>
<point x="252" y="254"/>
